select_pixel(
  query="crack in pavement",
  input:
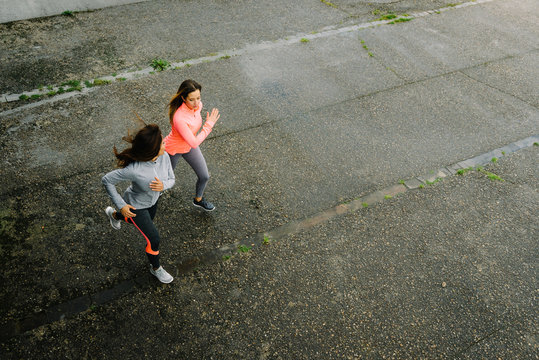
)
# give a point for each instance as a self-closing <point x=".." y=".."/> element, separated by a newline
<point x="80" y="304"/>
<point x="225" y="54"/>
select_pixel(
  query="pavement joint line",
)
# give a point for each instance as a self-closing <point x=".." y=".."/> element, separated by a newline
<point x="89" y="302"/>
<point x="225" y="54"/>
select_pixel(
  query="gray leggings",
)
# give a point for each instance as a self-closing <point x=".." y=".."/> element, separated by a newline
<point x="195" y="159"/>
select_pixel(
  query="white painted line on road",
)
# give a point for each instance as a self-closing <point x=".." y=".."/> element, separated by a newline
<point x="225" y="54"/>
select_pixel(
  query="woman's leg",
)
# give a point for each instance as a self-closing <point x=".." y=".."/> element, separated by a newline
<point x="196" y="160"/>
<point x="144" y="224"/>
<point x="174" y="160"/>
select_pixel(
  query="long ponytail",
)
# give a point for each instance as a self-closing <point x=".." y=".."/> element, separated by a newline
<point x="186" y="87"/>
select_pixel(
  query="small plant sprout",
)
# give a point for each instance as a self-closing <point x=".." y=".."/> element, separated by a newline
<point x="401" y="182"/>
<point x="50" y="87"/>
<point x="387" y="196"/>
<point x="114" y="74"/>
<point x="421" y="186"/>
<point x="370" y="54"/>
<point x="159" y="64"/>
<point x="100" y="82"/>
<point x="304" y="40"/>
<point x="68" y="13"/>
<point x="51" y="93"/>
<point x="494" y="159"/>
<point x="225" y="57"/>
<point x="88" y="84"/>
<point x="226" y="257"/>
<point x="464" y="171"/>
<point x="535" y="144"/>
<point x="35" y="96"/>
<point x="243" y="248"/>
<point x="121" y="79"/>
<point x="23" y="97"/>
<point x="266" y="239"/>
<point x="364" y="204"/>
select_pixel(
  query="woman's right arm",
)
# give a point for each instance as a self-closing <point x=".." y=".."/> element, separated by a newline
<point x="110" y="180"/>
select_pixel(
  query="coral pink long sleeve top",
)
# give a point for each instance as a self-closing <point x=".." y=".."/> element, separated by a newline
<point x="183" y="135"/>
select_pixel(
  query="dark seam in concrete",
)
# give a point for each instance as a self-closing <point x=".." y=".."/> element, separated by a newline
<point x="459" y="354"/>
<point x="495" y="88"/>
<point x="78" y="305"/>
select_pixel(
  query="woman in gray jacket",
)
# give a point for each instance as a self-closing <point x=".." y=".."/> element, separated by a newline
<point x="150" y="173"/>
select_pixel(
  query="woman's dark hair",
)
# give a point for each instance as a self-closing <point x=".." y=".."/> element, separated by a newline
<point x="187" y="87"/>
<point x="145" y="145"/>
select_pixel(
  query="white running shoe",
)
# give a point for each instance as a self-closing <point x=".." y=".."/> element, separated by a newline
<point x="161" y="274"/>
<point x="116" y="224"/>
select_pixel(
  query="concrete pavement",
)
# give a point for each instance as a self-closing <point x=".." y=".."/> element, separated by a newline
<point x="308" y="126"/>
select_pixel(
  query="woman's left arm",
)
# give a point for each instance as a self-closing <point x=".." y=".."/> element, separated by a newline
<point x="170" y="179"/>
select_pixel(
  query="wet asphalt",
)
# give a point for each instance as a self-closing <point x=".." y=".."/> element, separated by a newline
<point x="342" y="228"/>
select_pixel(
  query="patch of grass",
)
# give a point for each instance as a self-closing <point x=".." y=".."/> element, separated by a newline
<point x="23" y="97"/>
<point x="225" y="57"/>
<point x="101" y="82"/>
<point x="387" y="196"/>
<point x="402" y="20"/>
<point x="50" y="87"/>
<point x="304" y="40"/>
<point x="51" y="93"/>
<point x="433" y="182"/>
<point x="387" y="17"/>
<point x="88" y="84"/>
<point x="114" y="74"/>
<point x="492" y="176"/>
<point x="61" y="90"/>
<point x="464" y="171"/>
<point x="121" y="79"/>
<point x="152" y="72"/>
<point x="494" y="159"/>
<point x="328" y="3"/>
<point x="71" y="83"/>
<point x="159" y="64"/>
<point x="74" y="88"/>
<point x="452" y="4"/>
<point x="243" y="248"/>
<point x="376" y="12"/>
<point x="35" y="96"/>
<point x="68" y="13"/>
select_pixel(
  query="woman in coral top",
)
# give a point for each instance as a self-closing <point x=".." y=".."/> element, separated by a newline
<point x="188" y="133"/>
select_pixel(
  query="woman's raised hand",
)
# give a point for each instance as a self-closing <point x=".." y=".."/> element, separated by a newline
<point x="214" y="116"/>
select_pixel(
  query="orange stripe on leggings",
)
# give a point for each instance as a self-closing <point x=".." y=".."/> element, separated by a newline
<point x="148" y="244"/>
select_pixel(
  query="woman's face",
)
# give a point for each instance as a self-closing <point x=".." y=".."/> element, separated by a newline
<point x="162" y="149"/>
<point x="192" y="100"/>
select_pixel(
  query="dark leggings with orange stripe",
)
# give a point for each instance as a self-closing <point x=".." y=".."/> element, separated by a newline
<point x="144" y="224"/>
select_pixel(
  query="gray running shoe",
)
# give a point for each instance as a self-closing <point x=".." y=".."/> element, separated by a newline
<point x="116" y="224"/>
<point x="161" y="274"/>
<point x="206" y="205"/>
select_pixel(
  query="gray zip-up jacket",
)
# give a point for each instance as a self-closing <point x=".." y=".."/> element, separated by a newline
<point x="139" y="194"/>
